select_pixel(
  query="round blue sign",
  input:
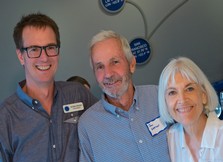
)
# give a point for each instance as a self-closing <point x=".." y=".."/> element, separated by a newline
<point x="141" y="50"/>
<point x="112" y="6"/>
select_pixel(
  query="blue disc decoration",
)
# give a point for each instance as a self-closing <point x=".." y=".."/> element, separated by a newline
<point x="112" y="6"/>
<point x="141" y="50"/>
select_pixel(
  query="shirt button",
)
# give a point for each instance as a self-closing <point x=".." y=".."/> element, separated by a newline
<point x="132" y="119"/>
<point x="118" y="116"/>
<point x="35" y="102"/>
<point x="54" y="146"/>
<point x="140" y="141"/>
<point x="137" y="108"/>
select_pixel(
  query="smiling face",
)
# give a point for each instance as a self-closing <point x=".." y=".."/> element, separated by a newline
<point x="38" y="70"/>
<point x="185" y="100"/>
<point x="111" y="68"/>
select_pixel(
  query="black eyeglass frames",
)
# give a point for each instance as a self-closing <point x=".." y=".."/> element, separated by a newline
<point x="36" y="51"/>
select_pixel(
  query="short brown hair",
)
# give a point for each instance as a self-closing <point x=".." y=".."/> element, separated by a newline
<point x="38" y="20"/>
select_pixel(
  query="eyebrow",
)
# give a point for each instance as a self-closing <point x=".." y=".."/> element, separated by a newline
<point x="189" y="84"/>
<point x="97" y="64"/>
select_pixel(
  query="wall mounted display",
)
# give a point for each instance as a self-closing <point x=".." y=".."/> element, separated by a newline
<point x="141" y="50"/>
<point x="139" y="46"/>
<point x="112" y="6"/>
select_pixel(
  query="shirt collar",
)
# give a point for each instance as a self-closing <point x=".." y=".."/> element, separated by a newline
<point x="113" y="109"/>
<point x="22" y="95"/>
<point x="209" y="134"/>
<point x="27" y="99"/>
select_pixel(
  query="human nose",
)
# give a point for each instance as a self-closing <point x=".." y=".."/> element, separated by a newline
<point x="108" y="72"/>
<point x="43" y="54"/>
<point x="181" y="97"/>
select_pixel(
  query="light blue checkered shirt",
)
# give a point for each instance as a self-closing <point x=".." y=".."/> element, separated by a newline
<point x="109" y="134"/>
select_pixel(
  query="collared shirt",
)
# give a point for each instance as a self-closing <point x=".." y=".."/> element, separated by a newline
<point x="211" y="149"/>
<point x="110" y="134"/>
<point x="29" y="134"/>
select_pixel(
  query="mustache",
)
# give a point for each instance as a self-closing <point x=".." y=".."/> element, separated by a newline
<point x="111" y="79"/>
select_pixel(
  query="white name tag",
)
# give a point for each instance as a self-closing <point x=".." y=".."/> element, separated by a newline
<point x="73" y="107"/>
<point x="156" y="126"/>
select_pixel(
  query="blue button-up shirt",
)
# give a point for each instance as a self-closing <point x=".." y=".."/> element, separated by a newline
<point x="110" y="134"/>
<point x="29" y="134"/>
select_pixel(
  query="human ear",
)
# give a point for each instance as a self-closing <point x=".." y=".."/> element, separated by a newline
<point x="204" y="98"/>
<point x="133" y="65"/>
<point x="20" y="56"/>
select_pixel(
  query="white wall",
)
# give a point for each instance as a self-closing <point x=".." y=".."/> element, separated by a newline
<point x="194" y="30"/>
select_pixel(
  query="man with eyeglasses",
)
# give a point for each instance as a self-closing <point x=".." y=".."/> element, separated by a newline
<point x="38" y="123"/>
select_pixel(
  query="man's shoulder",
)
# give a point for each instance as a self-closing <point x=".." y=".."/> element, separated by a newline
<point x="70" y="88"/>
<point x="147" y="90"/>
<point x="96" y="107"/>
<point x="67" y="85"/>
<point x="75" y="90"/>
<point x="8" y="102"/>
<point x="92" y="111"/>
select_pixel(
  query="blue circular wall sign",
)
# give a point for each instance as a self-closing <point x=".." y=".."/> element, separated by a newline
<point x="141" y="50"/>
<point x="112" y="6"/>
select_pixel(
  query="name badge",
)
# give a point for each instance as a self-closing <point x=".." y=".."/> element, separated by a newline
<point x="156" y="126"/>
<point x="73" y="107"/>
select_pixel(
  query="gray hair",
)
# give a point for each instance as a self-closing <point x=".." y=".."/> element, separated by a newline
<point x="188" y="69"/>
<point x="107" y="34"/>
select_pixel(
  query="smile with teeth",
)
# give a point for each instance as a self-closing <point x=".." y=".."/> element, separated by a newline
<point x="110" y="83"/>
<point x="43" y="68"/>
<point x="184" y="109"/>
